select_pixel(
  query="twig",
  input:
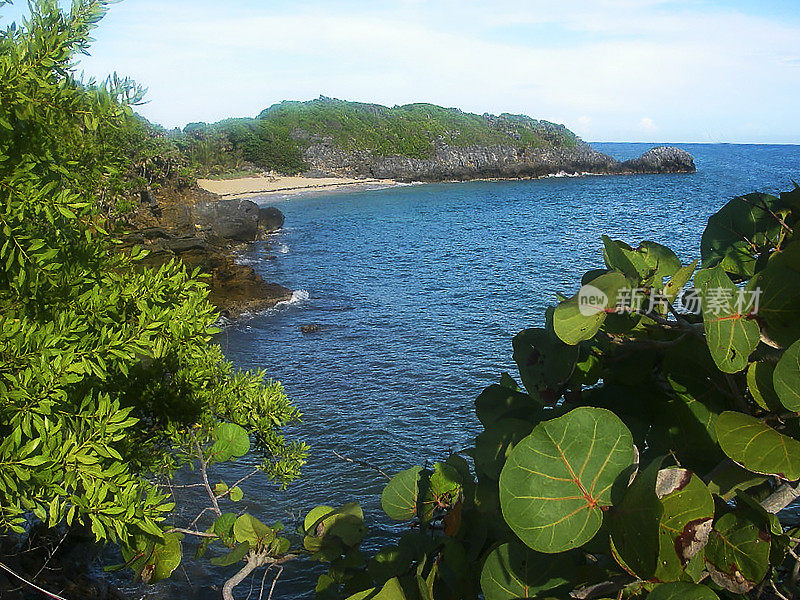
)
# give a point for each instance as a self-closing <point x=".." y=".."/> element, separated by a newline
<point x="362" y="463"/>
<point x="781" y="498"/>
<point x="204" y="473"/>
<point x="243" y="479"/>
<point x="33" y="585"/>
<point x="263" y="580"/>
<point x="274" y="581"/>
<point x="202" y="534"/>
<point x="777" y="593"/>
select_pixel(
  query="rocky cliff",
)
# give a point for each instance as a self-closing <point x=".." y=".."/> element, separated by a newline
<point x="450" y="163"/>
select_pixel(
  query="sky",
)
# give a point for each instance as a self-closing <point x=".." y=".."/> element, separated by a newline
<point x="721" y="71"/>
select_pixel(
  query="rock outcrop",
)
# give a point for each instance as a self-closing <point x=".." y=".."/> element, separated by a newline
<point x="203" y="234"/>
<point x="450" y="163"/>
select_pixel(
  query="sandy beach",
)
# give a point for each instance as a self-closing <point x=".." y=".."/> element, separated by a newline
<point x="259" y="186"/>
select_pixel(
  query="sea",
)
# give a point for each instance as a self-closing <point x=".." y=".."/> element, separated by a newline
<point x="417" y="291"/>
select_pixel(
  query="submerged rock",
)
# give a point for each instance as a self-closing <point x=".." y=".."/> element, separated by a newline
<point x="310" y="328"/>
<point x="270" y="219"/>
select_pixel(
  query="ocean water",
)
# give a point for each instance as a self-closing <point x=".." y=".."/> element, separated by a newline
<point x="418" y="291"/>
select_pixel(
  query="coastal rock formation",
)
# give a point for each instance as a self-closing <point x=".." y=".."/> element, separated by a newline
<point x="202" y="235"/>
<point x="664" y="159"/>
<point x="450" y="163"/>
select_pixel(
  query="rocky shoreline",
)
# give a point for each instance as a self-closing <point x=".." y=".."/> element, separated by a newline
<point x="203" y="231"/>
<point x="451" y="163"/>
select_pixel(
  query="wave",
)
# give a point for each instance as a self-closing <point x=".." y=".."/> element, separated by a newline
<point x="298" y="297"/>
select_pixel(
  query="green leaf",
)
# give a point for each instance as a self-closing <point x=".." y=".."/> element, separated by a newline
<point x="557" y="480"/>
<point x="230" y="441"/>
<point x="545" y="362"/>
<point x="739" y="232"/>
<point x="247" y="528"/>
<point x="498" y="402"/>
<point x="778" y="289"/>
<point x="731" y="336"/>
<point x="758" y="447"/>
<point x="515" y="571"/>
<point x="440" y="489"/>
<point x="493" y="446"/>
<point x="234" y="556"/>
<point x="737" y="554"/>
<point x="399" y="497"/>
<point x="581" y="317"/>
<point x="787" y="378"/>
<point x="681" y="590"/>
<point x="236" y="494"/>
<point x="760" y="383"/>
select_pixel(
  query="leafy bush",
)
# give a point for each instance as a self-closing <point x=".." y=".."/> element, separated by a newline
<point x="108" y="371"/>
<point x="651" y="453"/>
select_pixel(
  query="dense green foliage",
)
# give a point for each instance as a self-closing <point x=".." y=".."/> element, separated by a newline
<point x="277" y="138"/>
<point x="108" y="372"/>
<point x="650" y="453"/>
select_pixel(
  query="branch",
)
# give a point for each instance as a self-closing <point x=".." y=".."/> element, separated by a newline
<point x="781" y="498"/>
<point x="204" y="473"/>
<point x="33" y="585"/>
<point x="192" y="532"/>
<point x="362" y="463"/>
<point x="253" y="562"/>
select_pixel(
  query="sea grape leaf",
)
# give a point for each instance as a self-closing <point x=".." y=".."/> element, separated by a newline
<point x="544" y="362"/>
<point x="662" y="523"/>
<point x="682" y="590"/>
<point x="390" y="561"/>
<point x="619" y="256"/>
<point x="400" y="496"/>
<point x="153" y="560"/>
<point x="248" y="529"/>
<point x="345" y="523"/>
<point x="786" y="379"/>
<point x="662" y="261"/>
<point x="757" y="446"/>
<point x="760" y="383"/>
<point x="685" y="522"/>
<point x="557" y="480"/>
<point x="633" y="525"/>
<point x="728" y="478"/>
<point x="678" y="281"/>
<point x="777" y="288"/>
<point x="740" y="231"/>
<point x="499" y="402"/>
<point x="730" y="335"/>
<point x="581" y="317"/>
<point x="232" y="557"/>
<point x="737" y="553"/>
<point x="515" y="571"/>
<point x="230" y="441"/>
<point x="223" y="527"/>
<point x="493" y="446"/>
<point x="440" y="489"/>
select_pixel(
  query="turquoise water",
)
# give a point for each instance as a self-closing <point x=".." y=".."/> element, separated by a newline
<point x="419" y="289"/>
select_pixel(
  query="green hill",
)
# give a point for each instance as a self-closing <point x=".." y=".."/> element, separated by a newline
<point x="277" y="138"/>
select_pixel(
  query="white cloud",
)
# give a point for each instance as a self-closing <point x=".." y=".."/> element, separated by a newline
<point x="612" y="59"/>
<point x="647" y="125"/>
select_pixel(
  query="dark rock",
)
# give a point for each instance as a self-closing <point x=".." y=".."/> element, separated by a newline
<point x="152" y="233"/>
<point x="270" y="219"/>
<point x="664" y="159"/>
<point x="310" y="328"/>
<point x="231" y="220"/>
<point x="181" y="245"/>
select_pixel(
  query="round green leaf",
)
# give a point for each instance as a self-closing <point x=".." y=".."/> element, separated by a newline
<point x="787" y="378"/>
<point x="680" y="590"/>
<point x="758" y="447"/>
<point x="230" y="441"/>
<point x="737" y="553"/>
<point x="399" y="497"/>
<point x="760" y="383"/>
<point x="739" y="231"/>
<point x="556" y="480"/>
<point x="499" y="401"/>
<point x="544" y="362"/>
<point x="247" y="528"/>
<point x="581" y="317"/>
<point x="493" y="446"/>
<point x="515" y="571"/>
<point x="730" y="335"/>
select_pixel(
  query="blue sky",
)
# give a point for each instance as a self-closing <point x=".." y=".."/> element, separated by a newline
<point x="611" y="70"/>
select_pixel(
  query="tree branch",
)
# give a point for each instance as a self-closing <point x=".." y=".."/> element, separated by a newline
<point x="781" y="498"/>
<point x="31" y="584"/>
<point x="204" y="474"/>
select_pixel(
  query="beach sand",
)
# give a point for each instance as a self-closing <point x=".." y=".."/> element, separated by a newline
<point x="259" y="186"/>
